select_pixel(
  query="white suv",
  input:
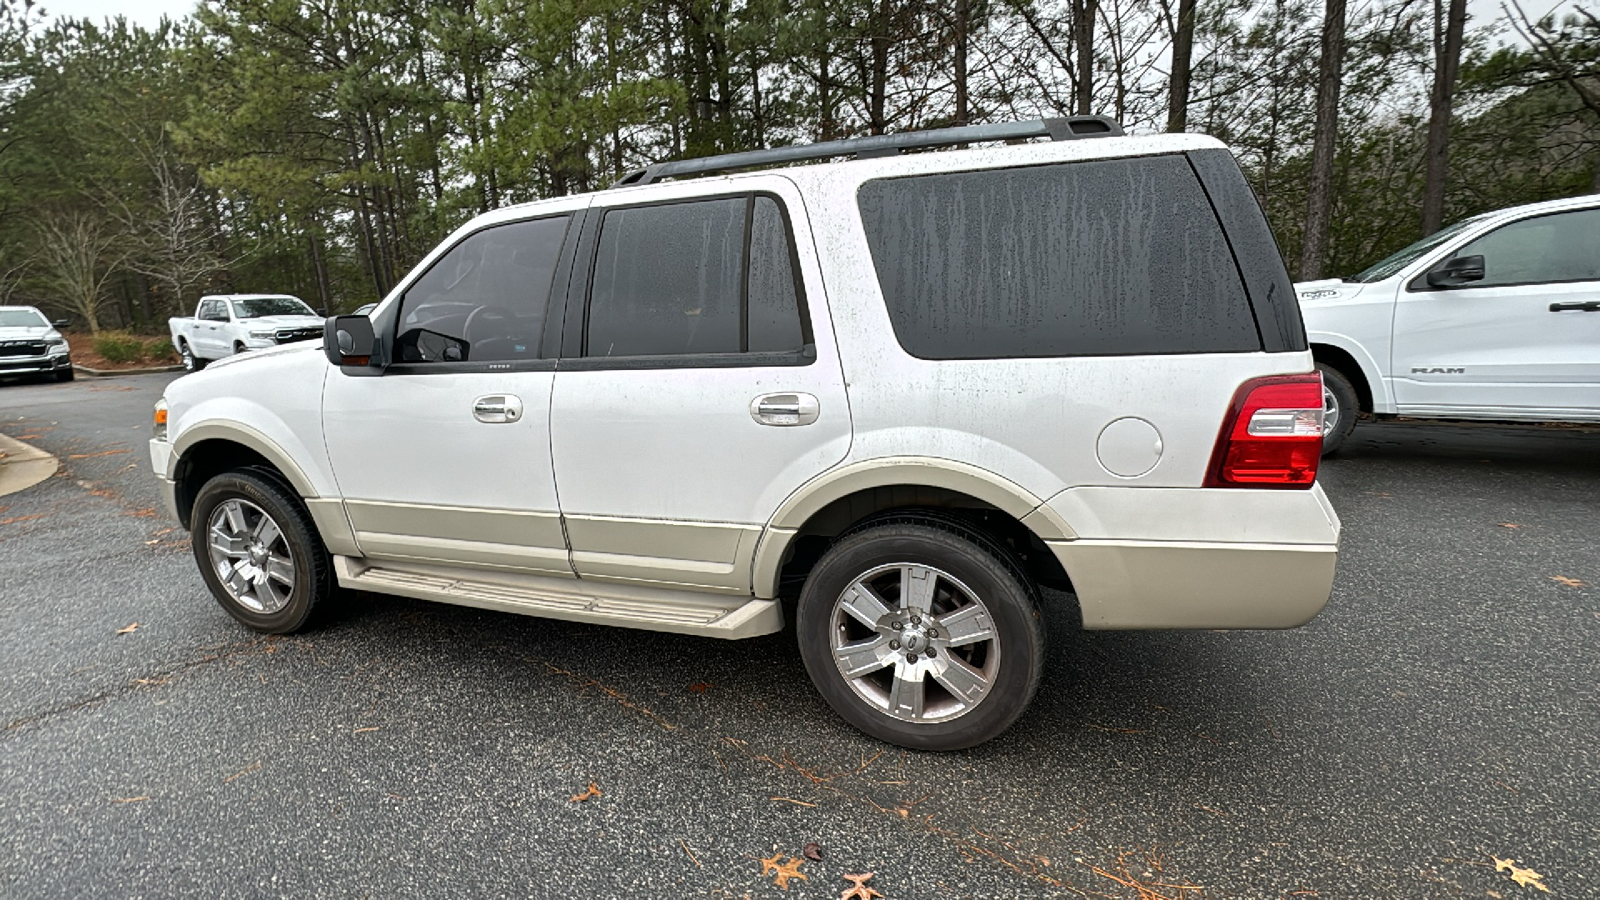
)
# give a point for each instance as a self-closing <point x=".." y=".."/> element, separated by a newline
<point x="904" y="390"/>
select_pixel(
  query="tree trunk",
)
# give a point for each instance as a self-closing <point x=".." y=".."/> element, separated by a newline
<point x="878" y="91"/>
<point x="963" y="27"/>
<point x="1324" y="144"/>
<point x="1083" y="41"/>
<point x="1447" y="34"/>
<point x="1182" y="65"/>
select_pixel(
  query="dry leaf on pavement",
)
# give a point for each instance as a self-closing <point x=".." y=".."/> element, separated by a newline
<point x="1521" y="876"/>
<point x="859" y="890"/>
<point x="812" y="850"/>
<point x="1569" y="582"/>
<point x="784" y="871"/>
<point x="130" y="629"/>
<point x="593" y="791"/>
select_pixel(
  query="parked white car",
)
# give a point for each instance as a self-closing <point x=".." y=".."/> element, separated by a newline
<point x="225" y="324"/>
<point x="1494" y="317"/>
<point x="31" y="344"/>
<point x="903" y="392"/>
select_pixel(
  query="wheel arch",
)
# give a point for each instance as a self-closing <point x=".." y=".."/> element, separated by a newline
<point x="210" y="448"/>
<point x="1352" y="367"/>
<point x="835" y="502"/>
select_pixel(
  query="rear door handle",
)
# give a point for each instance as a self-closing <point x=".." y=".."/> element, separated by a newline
<point x="495" y="409"/>
<point x="1589" y="306"/>
<point x="785" y="409"/>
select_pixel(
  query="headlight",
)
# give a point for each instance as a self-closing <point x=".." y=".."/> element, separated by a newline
<point x="262" y="335"/>
<point x="158" y="426"/>
<point x="57" y="341"/>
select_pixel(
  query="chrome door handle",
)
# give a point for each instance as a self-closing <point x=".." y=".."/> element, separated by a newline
<point x="1583" y="306"/>
<point x="785" y="409"/>
<point x="497" y="408"/>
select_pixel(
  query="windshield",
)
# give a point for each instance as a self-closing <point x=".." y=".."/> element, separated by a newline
<point x="1405" y="257"/>
<point x="22" y="318"/>
<point x="252" y="307"/>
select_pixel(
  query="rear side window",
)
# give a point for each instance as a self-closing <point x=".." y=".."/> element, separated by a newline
<point x="1111" y="257"/>
<point x="704" y="277"/>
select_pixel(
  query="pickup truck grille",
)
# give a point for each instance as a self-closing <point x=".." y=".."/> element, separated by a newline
<point x="21" y="348"/>
<point x="290" y="335"/>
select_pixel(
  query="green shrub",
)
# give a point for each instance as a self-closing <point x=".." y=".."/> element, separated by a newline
<point x="118" y="346"/>
<point x="160" y="350"/>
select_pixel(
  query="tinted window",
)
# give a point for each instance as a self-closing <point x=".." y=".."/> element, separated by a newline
<point x="774" y="317"/>
<point x="1557" y="247"/>
<point x="1085" y="259"/>
<point x="667" y="280"/>
<point x="485" y="300"/>
<point x="214" y="311"/>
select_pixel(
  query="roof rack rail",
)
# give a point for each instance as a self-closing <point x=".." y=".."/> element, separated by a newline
<point x="879" y="145"/>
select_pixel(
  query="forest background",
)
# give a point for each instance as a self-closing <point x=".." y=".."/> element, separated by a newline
<point x="322" y="147"/>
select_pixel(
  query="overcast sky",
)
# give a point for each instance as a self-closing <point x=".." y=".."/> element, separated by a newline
<point x="149" y="12"/>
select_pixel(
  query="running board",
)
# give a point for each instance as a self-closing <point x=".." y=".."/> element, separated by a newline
<point x="595" y="602"/>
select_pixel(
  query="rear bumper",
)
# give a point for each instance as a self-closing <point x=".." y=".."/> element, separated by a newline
<point x="1182" y="558"/>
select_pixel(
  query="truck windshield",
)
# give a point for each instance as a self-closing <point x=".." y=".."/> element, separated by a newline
<point x="21" y="318"/>
<point x="1400" y="260"/>
<point x="253" y="307"/>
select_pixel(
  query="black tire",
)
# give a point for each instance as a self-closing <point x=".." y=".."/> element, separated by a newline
<point x="313" y="580"/>
<point x="239" y="347"/>
<point x="1346" y="402"/>
<point x="66" y="374"/>
<point x="191" y="363"/>
<point x="981" y="566"/>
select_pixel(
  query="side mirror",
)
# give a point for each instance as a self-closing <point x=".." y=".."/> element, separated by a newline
<point x="349" y="341"/>
<point x="1456" y="272"/>
<point x="61" y="323"/>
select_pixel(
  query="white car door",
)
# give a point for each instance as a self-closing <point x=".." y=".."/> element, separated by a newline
<point x="699" y="385"/>
<point x="1522" y="341"/>
<point x="445" y="456"/>
<point x="210" y="328"/>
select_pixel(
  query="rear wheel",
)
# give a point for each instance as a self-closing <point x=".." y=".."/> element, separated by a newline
<point x="259" y="552"/>
<point x="191" y="363"/>
<point x="1340" y="407"/>
<point x="921" y="633"/>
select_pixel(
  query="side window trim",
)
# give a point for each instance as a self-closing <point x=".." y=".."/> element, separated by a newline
<point x="1419" y="284"/>
<point x="558" y="281"/>
<point x="574" y="341"/>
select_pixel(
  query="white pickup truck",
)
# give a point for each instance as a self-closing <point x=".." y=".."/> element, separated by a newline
<point x="225" y="324"/>
<point x="1495" y="317"/>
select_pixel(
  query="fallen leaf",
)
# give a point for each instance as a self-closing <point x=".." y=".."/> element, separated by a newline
<point x="593" y="791"/>
<point x="688" y="851"/>
<point x="1569" y="582"/>
<point x="699" y="687"/>
<point x="148" y="512"/>
<point x="129" y="799"/>
<point x="1521" y="876"/>
<point x="92" y="455"/>
<point x="1509" y="525"/>
<point x="14" y="519"/>
<point x="365" y="730"/>
<point x="858" y="889"/>
<point x="128" y="629"/>
<point x="812" y="851"/>
<point x="792" y="800"/>
<point x="785" y="871"/>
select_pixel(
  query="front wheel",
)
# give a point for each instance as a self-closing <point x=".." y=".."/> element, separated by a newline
<point x="921" y="633"/>
<point x="259" y="553"/>
<point x="65" y="374"/>
<point x="1340" y="407"/>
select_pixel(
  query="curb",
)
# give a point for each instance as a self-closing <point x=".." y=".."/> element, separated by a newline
<point x="22" y="466"/>
<point x="112" y="373"/>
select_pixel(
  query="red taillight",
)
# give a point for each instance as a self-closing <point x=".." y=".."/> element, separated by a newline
<point x="1272" y="437"/>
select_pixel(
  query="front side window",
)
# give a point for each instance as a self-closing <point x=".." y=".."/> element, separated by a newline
<point x="1103" y="258"/>
<point x="485" y="300"/>
<point x="256" y="307"/>
<point x="1543" y="250"/>
<point x="214" y="311"/>
<point x="695" y="278"/>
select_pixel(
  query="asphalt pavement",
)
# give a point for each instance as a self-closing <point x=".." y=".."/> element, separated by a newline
<point x="1442" y="713"/>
